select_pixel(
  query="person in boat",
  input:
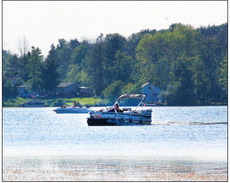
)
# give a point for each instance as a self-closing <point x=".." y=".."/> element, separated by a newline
<point x="75" y="104"/>
<point x="63" y="105"/>
<point x="116" y="108"/>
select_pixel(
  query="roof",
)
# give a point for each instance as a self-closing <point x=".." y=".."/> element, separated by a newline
<point x="155" y="88"/>
<point x="62" y="85"/>
<point x="145" y="84"/>
<point x="83" y="87"/>
<point x="12" y="77"/>
<point x="131" y="96"/>
<point x="24" y="86"/>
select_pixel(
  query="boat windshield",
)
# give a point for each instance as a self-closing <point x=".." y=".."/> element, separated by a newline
<point x="132" y="96"/>
<point x="130" y="101"/>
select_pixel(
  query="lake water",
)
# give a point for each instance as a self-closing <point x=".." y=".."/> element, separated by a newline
<point x="184" y="137"/>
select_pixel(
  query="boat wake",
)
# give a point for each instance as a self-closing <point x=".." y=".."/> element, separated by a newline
<point x="187" y="123"/>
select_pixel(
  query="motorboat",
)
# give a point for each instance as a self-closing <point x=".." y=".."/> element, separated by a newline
<point x="79" y="109"/>
<point x="124" y="116"/>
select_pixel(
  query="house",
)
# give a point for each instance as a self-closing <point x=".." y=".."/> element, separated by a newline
<point x="84" y="91"/>
<point x="14" y="80"/>
<point x="26" y="92"/>
<point x="23" y="90"/>
<point x="67" y="89"/>
<point x="152" y="93"/>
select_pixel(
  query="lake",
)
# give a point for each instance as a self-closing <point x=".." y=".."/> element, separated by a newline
<point x="182" y="144"/>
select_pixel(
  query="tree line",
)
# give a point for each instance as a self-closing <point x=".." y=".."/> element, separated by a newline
<point x="188" y="64"/>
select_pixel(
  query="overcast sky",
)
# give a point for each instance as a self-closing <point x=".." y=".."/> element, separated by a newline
<point x="43" y="23"/>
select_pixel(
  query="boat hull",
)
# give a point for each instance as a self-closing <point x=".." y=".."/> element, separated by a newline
<point x="99" y="122"/>
<point x="72" y="110"/>
<point x="117" y="119"/>
<point x="108" y="122"/>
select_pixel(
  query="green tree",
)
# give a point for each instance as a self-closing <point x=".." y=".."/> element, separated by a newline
<point x="24" y="67"/>
<point x="130" y="88"/>
<point x="6" y="56"/>
<point x="210" y="53"/>
<point x="200" y="79"/>
<point x="50" y="71"/>
<point x="134" y="39"/>
<point x="73" y="44"/>
<point x="73" y="73"/>
<point x="113" y="91"/>
<point x="63" y="52"/>
<point x="223" y="80"/>
<point x="9" y="90"/>
<point x="224" y="72"/>
<point x="172" y="93"/>
<point x="95" y="61"/>
<point x="11" y="65"/>
<point x="35" y="68"/>
<point x="79" y="53"/>
<point x="183" y="77"/>
<point x="122" y="66"/>
<point x="167" y="58"/>
<point x="112" y="44"/>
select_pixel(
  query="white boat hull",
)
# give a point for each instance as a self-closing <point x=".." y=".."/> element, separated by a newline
<point x="73" y="110"/>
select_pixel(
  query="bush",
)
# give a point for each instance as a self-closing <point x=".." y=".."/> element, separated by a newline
<point x="176" y="94"/>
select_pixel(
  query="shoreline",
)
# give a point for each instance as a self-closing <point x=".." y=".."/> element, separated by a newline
<point x="208" y="105"/>
<point x="90" y="168"/>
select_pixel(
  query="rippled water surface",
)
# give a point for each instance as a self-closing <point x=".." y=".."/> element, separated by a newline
<point x="176" y="133"/>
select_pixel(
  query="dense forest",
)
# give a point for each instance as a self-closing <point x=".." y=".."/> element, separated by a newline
<point x="188" y="64"/>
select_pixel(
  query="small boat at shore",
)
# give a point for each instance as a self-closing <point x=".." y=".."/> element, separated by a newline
<point x="125" y="116"/>
<point x="73" y="110"/>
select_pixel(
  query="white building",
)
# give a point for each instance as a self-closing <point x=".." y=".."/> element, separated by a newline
<point x="152" y="93"/>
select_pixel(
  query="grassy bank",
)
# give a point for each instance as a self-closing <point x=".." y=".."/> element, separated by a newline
<point x="17" y="102"/>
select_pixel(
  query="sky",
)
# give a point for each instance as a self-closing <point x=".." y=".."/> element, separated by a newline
<point x="42" y="23"/>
